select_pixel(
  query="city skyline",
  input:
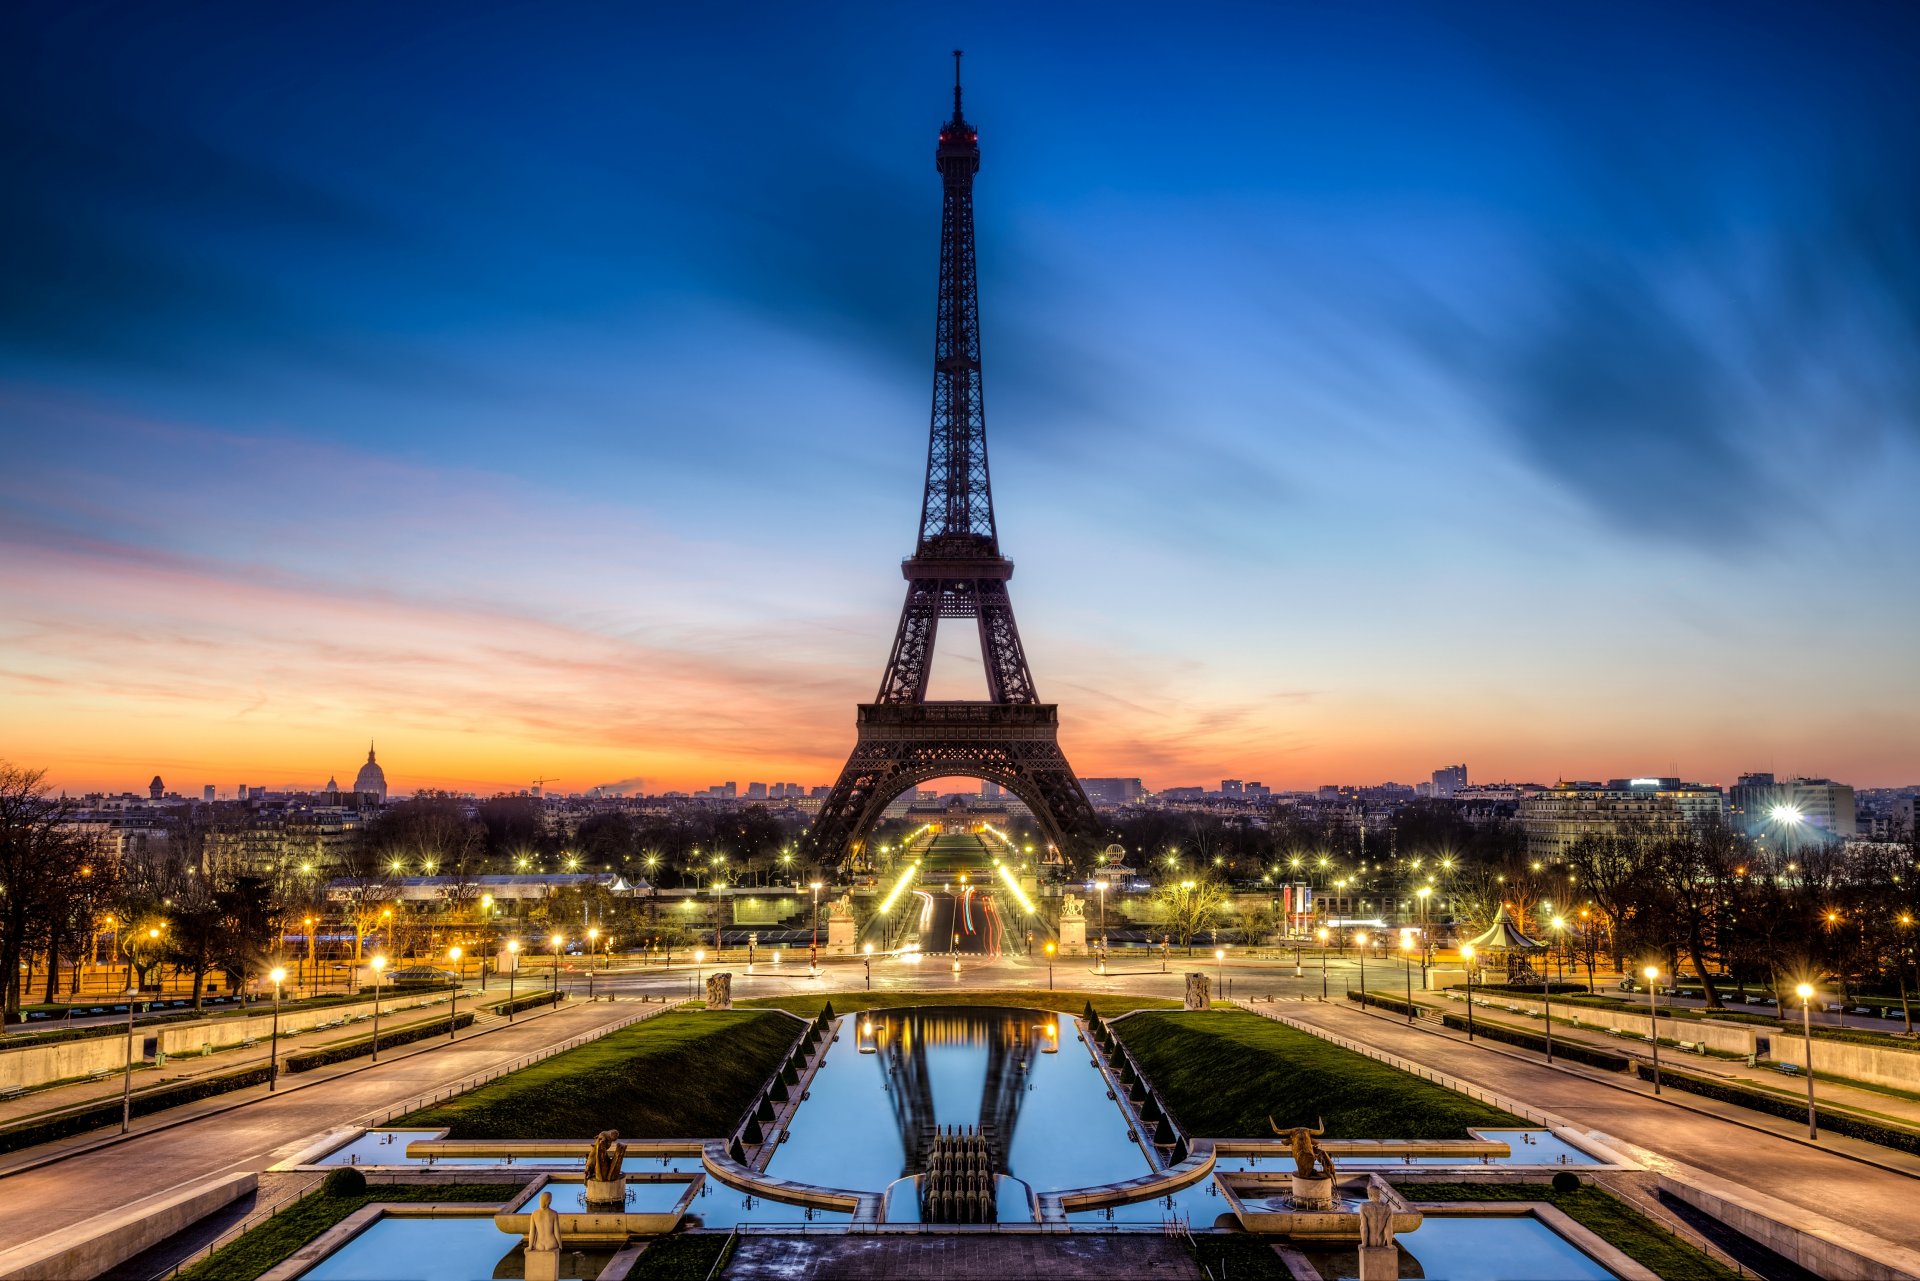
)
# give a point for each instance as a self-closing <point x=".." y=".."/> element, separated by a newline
<point x="510" y="430"/>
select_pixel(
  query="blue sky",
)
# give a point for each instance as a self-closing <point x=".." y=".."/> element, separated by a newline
<point x="543" y="388"/>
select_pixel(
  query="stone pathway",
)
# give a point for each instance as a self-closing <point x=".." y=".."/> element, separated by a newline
<point x="960" y="1257"/>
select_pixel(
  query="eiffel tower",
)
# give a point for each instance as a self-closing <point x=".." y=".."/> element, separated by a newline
<point x="956" y="571"/>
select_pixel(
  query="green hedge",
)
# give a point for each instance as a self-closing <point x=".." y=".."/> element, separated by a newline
<point x="307" y="1060"/>
<point x="107" y="1112"/>
<point x="1533" y="989"/>
<point x="1393" y="1003"/>
<point x="528" y="1002"/>
<point x="1573" y="1051"/>
<point x="1887" y="1136"/>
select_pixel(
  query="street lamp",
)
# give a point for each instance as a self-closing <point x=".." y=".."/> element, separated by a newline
<point x="1466" y="956"/>
<point x="699" y="973"/>
<point x="1101" y="886"/>
<point x="1323" y="934"/>
<point x="513" y="972"/>
<point x="813" y="961"/>
<point x="126" y="1084"/>
<point x="1653" y="1005"/>
<point x="1805" y="993"/>
<point x="278" y="976"/>
<point x="1546" y="991"/>
<point x="453" y="1011"/>
<point x="558" y="942"/>
<point x="379" y="969"/>
<point x="1049" y="965"/>
<point x="1360" y="941"/>
<point x="486" y="917"/>
<point x="866" y="957"/>
<point x="308" y="922"/>
<point x="1426" y="945"/>
<point x="593" y="939"/>
<point x="1220" y="970"/>
<point x="1406" y="955"/>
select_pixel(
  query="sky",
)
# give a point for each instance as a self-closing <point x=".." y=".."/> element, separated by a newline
<point x="541" y="390"/>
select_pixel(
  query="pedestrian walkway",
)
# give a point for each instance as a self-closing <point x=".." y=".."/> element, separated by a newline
<point x="1817" y="1177"/>
<point x="60" y="1098"/>
<point x="269" y="1128"/>
<point x="1832" y="1092"/>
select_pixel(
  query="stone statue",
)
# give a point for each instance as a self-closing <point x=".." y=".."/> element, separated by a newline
<point x="841" y="907"/>
<point x="543" y="1232"/>
<point x="1376" y="1220"/>
<point x="1379" y="1256"/>
<point x="1072" y="906"/>
<point x="1310" y="1160"/>
<point x="1198" y="997"/>
<point x="720" y="991"/>
<point x="606" y="1157"/>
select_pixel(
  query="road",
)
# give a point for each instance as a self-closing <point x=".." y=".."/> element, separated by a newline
<point x="265" y="1131"/>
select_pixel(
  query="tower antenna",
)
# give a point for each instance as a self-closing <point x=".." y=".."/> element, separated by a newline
<point x="956" y="84"/>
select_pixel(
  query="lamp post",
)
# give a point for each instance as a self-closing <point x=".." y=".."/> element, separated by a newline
<point x="1360" y="941"/>
<point x="1323" y="935"/>
<point x="1101" y="887"/>
<point x="593" y="940"/>
<point x="486" y="917"/>
<point x="813" y="961"/>
<point x="1220" y="971"/>
<point x="1466" y="956"/>
<point x="453" y="1011"/>
<point x="278" y="976"/>
<point x="1049" y="965"/>
<point x="308" y="959"/>
<point x="558" y="942"/>
<point x="1546" y="992"/>
<point x="1653" y="1007"/>
<point x="379" y="964"/>
<point x="1805" y="993"/>
<point x="1406" y="955"/>
<point x="513" y="972"/>
<point x="126" y="1083"/>
<point x="866" y="958"/>
<point x="699" y="972"/>
<point x="1426" y="945"/>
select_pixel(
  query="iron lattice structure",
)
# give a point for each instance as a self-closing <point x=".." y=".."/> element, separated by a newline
<point x="956" y="571"/>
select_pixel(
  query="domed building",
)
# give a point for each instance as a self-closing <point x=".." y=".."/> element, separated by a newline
<point x="371" y="777"/>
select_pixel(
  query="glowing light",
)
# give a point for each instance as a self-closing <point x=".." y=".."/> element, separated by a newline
<point x="278" y="976"/>
<point x="1789" y="814"/>
<point x="1804" y="991"/>
<point x="899" y="887"/>
<point x="1013" y="888"/>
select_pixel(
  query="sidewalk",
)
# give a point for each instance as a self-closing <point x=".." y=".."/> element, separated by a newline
<point x="59" y="1098"/>
<point x="1830" y="1092"/>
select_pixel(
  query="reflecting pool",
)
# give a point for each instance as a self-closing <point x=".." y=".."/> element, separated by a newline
<point x="642" y="1198"/>
<point x="389" y="1147"/>
<point x="718" y="1206"/>
<point x="895" y="1076"/>
<point x="1477" y="1248"/>
<point x="462" y="1249"/>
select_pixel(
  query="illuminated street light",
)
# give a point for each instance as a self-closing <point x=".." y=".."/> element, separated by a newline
<point x="1805" y="993"/>
<point x="1653" y="1005"/>
<point x="453" y="1011"/>
<point x="278" y="976"/>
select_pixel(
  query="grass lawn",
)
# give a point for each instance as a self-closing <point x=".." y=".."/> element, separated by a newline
<point x="1223" y="1073"/>
<point x="1026" y="998"/>
<point x="1609" y="1218"/>
<point x="266" y="1245"/>
<point x="674" y="1076"/>
<point x="1239" y="1256"/>
<point x="680" y="1257"/>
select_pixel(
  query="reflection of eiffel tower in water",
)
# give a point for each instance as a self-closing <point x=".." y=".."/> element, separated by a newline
<point x="1010" y="1041"/>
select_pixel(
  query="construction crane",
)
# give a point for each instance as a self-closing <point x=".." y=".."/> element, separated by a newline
<point x="539" y="783"/>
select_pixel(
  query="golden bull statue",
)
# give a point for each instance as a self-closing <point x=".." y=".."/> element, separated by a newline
<point x="1310" y="1160"/>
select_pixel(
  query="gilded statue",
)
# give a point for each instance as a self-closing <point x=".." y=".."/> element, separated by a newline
<point x="1310" y="1160"/>
<point x="606" y="1157"/>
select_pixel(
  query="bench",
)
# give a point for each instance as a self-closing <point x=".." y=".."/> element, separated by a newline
<point x="1790" y="1069"/>
<point x="11" y="1092"/>
<point x="1694" y="1047"/>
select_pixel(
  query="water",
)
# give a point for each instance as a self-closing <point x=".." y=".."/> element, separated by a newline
<point x="450" y="1249"/>
<point x="1477" y="1248"/>
<point x="1199" y="1205"/>
<point x="642" y="1198"/>
<point x="1530" y="1148"/>
<point x="719" y="1206"/>
<point x="389" y="1147"/>
<point x="862" y="1125"/>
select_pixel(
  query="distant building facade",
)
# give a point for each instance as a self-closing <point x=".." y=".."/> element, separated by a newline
<point x="1555" y="818"/>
